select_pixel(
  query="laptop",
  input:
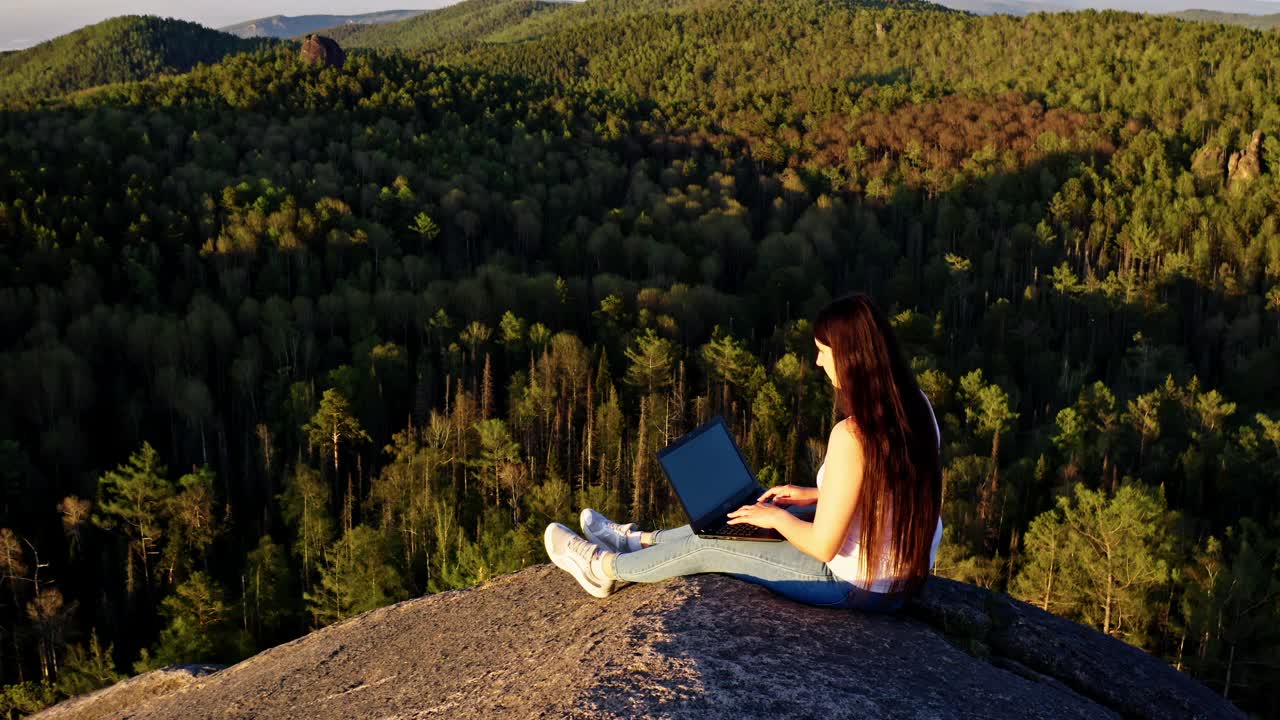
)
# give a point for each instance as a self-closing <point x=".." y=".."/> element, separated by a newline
<point x="711" y="478"/>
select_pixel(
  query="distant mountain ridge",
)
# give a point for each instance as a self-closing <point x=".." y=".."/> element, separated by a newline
<point x="506" y="21"/>
<point x="470" y="20"/>
<point x="130" y="47"/>
<point x="1260" y="17"/>
<point x="1004" y="7"/>
<point x="1253" y="22"/>
<point x="285" y="26"/>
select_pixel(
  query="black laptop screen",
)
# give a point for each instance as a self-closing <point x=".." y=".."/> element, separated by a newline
<point x="706" y="470"/>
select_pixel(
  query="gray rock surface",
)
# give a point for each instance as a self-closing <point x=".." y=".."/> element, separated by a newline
<point x="533" y="644"/>
<point x="119" y="698"/>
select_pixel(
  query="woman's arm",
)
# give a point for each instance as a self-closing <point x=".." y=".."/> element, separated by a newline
<point x="842" y="480"/>
<point x="790" y="495"/>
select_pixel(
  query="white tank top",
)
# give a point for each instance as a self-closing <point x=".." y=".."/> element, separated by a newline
<point x="848" y="564"/>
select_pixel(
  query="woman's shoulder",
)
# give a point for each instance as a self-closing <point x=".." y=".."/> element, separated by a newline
<point x="845" y="437"/>
<point x="847" y="427"/>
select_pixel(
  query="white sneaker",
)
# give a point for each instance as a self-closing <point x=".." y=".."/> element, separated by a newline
<point x="573" y="555"/>
<point x="605" y="532"/>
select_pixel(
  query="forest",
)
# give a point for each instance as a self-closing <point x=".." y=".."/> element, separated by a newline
<point x="284" y="343"/>
<point x="121" y="49"/>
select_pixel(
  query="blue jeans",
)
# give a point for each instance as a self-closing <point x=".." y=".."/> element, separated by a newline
<point x="779" y="566"/>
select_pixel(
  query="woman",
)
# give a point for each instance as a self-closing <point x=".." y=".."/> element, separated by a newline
<point x="866" y="538"/>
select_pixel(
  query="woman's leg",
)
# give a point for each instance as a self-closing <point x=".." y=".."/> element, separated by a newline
<point x="665" y="536"/>
<point x="779" y="566"/>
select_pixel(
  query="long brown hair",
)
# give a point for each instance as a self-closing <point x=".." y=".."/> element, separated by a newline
<point x="902" y="473"/>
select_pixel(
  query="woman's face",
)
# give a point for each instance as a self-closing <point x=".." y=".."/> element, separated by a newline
<point x="826" y="362"/>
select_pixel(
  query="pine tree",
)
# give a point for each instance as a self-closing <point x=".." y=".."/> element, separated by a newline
<point x="1228" y="606"/>
<point x="304" y="505"/>
<point x="86" y="669"/>
<point x="332" y="425"/>
<point x="193" y="524"/>
<point x="651" y="358"/>
<point x="486" y="393"/>
<point x="200" y="627"/>
<point x="988" y="411"/>
<point x="640" y="472"/>
<point x="1041" y="578"/>
<point x="1110" y="556"/>
<point x="134" y="499"/>
<point x="355" y="578"/>
<point x="267" y="589"/>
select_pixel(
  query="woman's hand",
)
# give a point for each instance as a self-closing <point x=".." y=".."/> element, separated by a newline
<point x="765" y="515"/>
<point x="790" y="495"/>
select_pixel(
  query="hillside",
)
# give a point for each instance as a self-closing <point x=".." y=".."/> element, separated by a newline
<point x="285" y="26"/>
<point x="511" y="271"/>
<point x="1253" y="22"/>
<point x="1007" y="7"/>
<point x="779" y="62"/>
<point x="506" y="21"/>
<point x="1259" y="20"/>
<point x="467" y="21"/>
<point x="117" y="50"/>
<point x="531" y="644"/>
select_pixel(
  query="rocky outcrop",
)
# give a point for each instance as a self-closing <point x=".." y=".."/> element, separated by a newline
<point x="1213" y="168"/>
<point x="1209" y="166"/>
<point x="1246" y="165"/>
<point x="532" y="644"/>
<point x="318" y="49"/>
<point x="134" y="692"/>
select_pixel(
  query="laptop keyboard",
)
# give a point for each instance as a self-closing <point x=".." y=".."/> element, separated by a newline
<point x="740" y="530"/>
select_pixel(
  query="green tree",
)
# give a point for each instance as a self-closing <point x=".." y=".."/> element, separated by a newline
<point x="424" y="227"/>
<point x="473" y="336"/>
<point x="304" y="505"/>
<point x="498" y="454"/>
<point x="1113" y="554"/>
<point x="134" y="500"/>
<point x="199" y="627"/>
<point x="651" y="358"/>
<point x="728" y="362"/>
<point x="332" y="425"/>
<point x="87" y="668"/>
<point x="988" y="411"/>
<point x="1047" y="565"/>
<point x="1228" y="607"/>
<point x="355" y="578"/>
<point x="27" y="698"/>
<point x="193" y="524"/>
<point x="511" y="332"/>
<point x="269" y="592"/>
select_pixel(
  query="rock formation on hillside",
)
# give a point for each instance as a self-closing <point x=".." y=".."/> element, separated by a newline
<point x="321" y="49"/>
<point x="1209" y="166"/>
<point x="1246" y="165"/>
<point x="1213" y="168"/>
<point x="532" y="644"/>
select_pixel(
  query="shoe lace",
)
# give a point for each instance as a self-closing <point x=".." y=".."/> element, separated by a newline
<point x="582" y="547"/>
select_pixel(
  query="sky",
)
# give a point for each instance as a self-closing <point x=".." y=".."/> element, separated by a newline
<point x="24" y="23"/>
